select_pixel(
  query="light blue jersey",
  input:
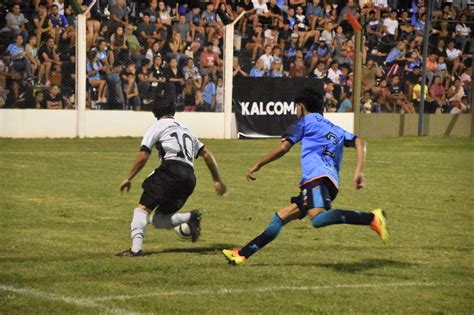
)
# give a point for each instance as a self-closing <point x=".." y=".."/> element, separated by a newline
<point x="322" y="146"/>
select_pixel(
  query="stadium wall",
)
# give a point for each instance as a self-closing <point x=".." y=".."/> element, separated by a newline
<point x="32" y="123"/>
<point x="393" y="125"/>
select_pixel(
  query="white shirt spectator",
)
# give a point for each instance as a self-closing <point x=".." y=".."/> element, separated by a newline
<point x="381" y="3"/>
<point x="267" y="61"/>
<point x="260" y="6"/>
<point x="334" y="75"/>
<point x="463" y="30"/>
<point x="271" y="37"/>
<point x="392" y="25"/>
<point x="453" y="54"/>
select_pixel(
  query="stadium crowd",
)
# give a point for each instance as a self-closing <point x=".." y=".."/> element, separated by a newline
<point x="138" y="50"/>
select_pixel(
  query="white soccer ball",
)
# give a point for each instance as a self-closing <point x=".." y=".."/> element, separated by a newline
<point x="183" y="230"/>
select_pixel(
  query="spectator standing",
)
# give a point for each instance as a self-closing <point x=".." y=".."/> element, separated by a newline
<point x="209" y="93"/>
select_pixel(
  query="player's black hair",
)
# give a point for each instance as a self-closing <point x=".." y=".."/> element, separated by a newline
<point x="163" y="107"/>
<point x="311" y="99"/>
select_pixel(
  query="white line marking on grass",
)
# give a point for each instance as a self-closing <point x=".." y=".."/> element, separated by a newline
<point x="270" y="289"/>
<point x="83" y="302"/>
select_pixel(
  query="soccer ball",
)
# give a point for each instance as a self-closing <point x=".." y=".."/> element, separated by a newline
<point x="183" y="230"/>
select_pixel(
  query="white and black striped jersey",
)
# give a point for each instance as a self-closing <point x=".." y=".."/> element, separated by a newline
<point x="172" y="140"/>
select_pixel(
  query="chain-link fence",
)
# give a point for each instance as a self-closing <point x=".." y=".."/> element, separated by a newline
<point x="140" y="51"/>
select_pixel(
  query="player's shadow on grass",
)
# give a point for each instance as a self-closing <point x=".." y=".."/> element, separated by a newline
<point x="365" y="265"/>
<point x="214" y="248"/>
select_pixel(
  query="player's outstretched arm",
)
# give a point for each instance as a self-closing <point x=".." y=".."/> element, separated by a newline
<point x="211" y="163"/>
<point x="277" y="152"/>
<point x="139" y="163"/>
<point x="361" y="149"/>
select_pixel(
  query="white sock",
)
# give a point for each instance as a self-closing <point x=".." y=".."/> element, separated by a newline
<point x="138" y="227"/>
<point x="168" y="221"/>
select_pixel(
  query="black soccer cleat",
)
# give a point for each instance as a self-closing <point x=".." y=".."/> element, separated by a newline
<point x="195" y="225"/>
<point x="129" y="253"/>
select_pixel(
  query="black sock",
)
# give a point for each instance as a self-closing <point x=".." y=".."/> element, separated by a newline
<point x="337" y="216"/>
<point x="270" y="233"/>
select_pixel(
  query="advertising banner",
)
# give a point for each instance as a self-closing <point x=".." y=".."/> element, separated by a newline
<point x="264" y="107"/>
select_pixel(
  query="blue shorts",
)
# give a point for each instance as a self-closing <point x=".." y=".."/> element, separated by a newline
<point x="316" y="194"/>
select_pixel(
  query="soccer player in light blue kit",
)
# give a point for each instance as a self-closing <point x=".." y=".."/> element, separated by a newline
<point x="321" y="156"/>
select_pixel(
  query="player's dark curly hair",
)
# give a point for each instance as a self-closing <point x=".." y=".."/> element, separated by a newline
<point x="311" y="99"/>
<point x="163" y="107"/>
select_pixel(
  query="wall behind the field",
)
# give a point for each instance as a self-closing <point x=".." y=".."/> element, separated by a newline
<point x="33" y="123"/>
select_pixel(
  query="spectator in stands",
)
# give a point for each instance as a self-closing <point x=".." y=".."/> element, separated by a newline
<point x="193" y="17"/>
<point x="31" y="53"/>
<point x="455" y="93"/>
<point x="18" y="56"/>
<point x="157" y="71"/>
<point x="397" y="98"/>
<point x="103" y="54"/>
<point x="116" y="98"/>
<point x="60" y="26"/>
<point x="192" y="72"/>
<point x="147" y="31"/>
<point x="208" y="94"/>
<point x="132" y="95"/>
<point x="210" y="21"/>
<point x="298" y="70"/>
<point x="209" y="59"/>
<point x="225" y="15"/>
<point x="438" y="95"/>
<point x="314" y="13"/>
<point x="219" y="95"/>
<point x="183" y="28"/>
<point x="15" y="22"/>
<point x="346" y="104"/>
<point x="411" y="79"/>
<point x="94" y="66"/>
<point x="174" y="80"/>
<point x="258" y="70"/>
<point x="320" y="71"/>
<point x="382" y="94"/>
<point x="237" y="69"/>
<point x="463" y="32"/>
<point x="267" y="58"/>
<point x="49" y="58"/>
<point x="276" y="70"/>
<point x="261" y="14"/>
<point x="118" y="15"/>
<point x="396" y="55"/>
<point x="323" y="51"/>
<point x="155" y="50"/>
<point x="256" y="42"/>
<point x="334" y="74"/>
<point x="43" y="25"/>
<point x="177" y="47"/>
<point x="134" y="49"/>
<point x="146" y="80"/>
<point x="119" y="45"/>
<point x="189" y="95"/>
<point x="54" y="99"/>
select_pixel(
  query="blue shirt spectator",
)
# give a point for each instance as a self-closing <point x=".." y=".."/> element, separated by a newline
<point x="209" y="92"/>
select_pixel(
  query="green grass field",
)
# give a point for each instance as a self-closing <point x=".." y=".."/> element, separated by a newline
<point x="63" y="219"/>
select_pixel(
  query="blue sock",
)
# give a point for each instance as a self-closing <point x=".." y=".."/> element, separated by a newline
<point x="337" y="216"/>
<point x="263" y="239"/>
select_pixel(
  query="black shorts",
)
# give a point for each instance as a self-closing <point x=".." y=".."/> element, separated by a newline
<point x="168" y="187"/>
<point x="316" y="194"/>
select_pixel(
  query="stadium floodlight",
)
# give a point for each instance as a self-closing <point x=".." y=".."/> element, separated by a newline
<point x="76" y="7"/>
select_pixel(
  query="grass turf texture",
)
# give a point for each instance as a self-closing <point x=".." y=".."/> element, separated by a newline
<point x="63" y="219"/>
